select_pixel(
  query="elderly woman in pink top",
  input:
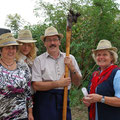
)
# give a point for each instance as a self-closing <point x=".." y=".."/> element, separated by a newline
<point x="15" y="93"/>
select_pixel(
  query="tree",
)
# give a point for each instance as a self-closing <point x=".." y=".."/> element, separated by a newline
<point x="14" y="22"/>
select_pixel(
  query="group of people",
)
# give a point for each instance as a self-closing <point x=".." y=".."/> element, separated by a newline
<point x="15" y="75"/>
<point x="32" y="87"/>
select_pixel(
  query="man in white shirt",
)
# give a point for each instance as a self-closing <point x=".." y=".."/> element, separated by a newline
<point x="48" y="78"/>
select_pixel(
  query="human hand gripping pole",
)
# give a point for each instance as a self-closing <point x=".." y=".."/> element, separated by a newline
<point x="71" y="18"/>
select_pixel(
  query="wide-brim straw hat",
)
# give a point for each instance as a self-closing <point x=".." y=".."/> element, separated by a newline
<point x="25" y="36"/>
<point x="104" y="45"/>
<point x="51" y="31"/>
<point x="7" y="39"/>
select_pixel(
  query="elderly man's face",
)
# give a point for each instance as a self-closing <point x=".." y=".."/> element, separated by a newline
<point x="52" y="43"/>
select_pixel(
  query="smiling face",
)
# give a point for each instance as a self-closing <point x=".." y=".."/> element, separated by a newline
<point x="25" y="48"/>
<point x="52" y="44"/>
<point x="103" y="58"/>
<point x="9" y="52"/>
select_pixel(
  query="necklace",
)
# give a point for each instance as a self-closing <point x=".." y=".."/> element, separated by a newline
<point x="7" y="64"/>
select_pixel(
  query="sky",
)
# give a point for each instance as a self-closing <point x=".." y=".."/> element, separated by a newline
<point x="24" y="8"/>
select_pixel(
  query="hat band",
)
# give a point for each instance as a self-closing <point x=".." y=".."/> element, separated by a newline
<point x="10" y="42"/>
<point x="104" y="47"/>
<point x="51" y="33"/>
<point x="25" y="39"/>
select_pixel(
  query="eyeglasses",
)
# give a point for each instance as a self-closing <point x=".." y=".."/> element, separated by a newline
<point x="50" y="40"/>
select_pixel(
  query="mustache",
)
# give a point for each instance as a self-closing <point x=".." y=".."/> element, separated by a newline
<point x="52" y="45"/>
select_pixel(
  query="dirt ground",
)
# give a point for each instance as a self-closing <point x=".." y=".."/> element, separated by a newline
<point x="79" y="113"/>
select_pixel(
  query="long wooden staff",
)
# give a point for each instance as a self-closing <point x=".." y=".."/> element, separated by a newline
<point x="71" y="18"/>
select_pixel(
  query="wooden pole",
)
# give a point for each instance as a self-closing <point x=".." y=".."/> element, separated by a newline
<point x="68" y="37"/>
<point x="72" y="17"/>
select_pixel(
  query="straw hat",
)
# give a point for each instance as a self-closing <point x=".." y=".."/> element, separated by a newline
<point x="25" y="36"/>
<point x="51" y="31"/>
<point x="103" y="45"/>
<point x="7" y="39"/>
<point x="106" y="45"/>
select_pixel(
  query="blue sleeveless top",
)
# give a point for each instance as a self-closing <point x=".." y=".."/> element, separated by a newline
<point x="106" y="88"/>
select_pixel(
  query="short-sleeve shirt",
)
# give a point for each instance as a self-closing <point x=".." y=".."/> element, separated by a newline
<point x="47" y="68"/>
<point x="15" y="92"/>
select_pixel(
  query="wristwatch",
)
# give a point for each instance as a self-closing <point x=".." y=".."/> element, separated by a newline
<point x="103" y="99"/>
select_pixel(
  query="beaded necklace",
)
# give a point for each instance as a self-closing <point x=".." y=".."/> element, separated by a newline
<point x="7" y="64"/>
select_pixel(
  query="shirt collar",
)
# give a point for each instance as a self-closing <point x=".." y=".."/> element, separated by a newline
<point x="48" y="55"/>
<point x="23" y="57"/>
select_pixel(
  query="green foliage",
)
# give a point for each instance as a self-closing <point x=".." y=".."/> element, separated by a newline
<point x="75" y="96"/>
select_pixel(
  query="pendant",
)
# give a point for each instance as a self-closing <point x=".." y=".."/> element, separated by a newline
<point x="8" y="67"/>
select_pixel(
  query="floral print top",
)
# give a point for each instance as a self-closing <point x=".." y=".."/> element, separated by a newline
<point x="15" y="92"/>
